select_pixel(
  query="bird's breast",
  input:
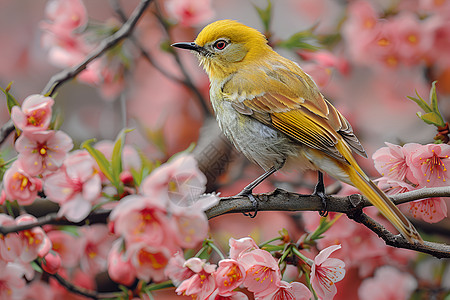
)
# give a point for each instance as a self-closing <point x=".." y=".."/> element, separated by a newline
<point x="258" y="142"/>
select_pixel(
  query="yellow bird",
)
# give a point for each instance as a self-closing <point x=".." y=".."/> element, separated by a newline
<point x="274" y="114"/>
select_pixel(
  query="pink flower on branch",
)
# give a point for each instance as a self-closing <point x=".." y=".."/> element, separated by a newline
<point x="35" y="241"/>
<point x="34" y="115"/>
<point x="391" y="161"/>
<point x="120" y="268"/>
<point x="429" y="165"/>
<point x="76" y="186"/>
<point x="201" y="284"/>
<point x="431" y="210"/>
<point x="262" y="272"/>
<point x="229" y="275"/>
<point x="388" y="283"/>
<point x="43" y="151"/>
<point x="21" y="186"/>
<point x="289" y="291"/>
<point x="190" y="13"/>
<point x="325" y="272"/>
<point x="149" y="262"/>
<point x="67" y="14"/>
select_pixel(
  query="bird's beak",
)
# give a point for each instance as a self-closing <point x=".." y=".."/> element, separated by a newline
<point x="189" y="46"/>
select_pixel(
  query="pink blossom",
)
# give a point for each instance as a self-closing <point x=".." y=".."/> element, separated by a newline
<point x="413" y="40"/>
<point x="388" y="283"/>
<point x="438" y="27"/>
<point x="190" y="13"/>
<point x="34" y="115"/>
<point x="325" y="272"/>
<point x="142" y="219"/>
<point x="429" y="165"/>
<point x="327" y="59"/>
<point x="229" y="275"/>
<point x="176" y="269"/>
<point x="393" y="186"/>
<point x="35" y="241"/>
<point x="120" y="268"/>
<point x="431" y="210"/>
<point x="179" y="181"/>
<point x="289" y="291"/>
<point x="262" y="272"/>
<point x="43" y="151"/>
<point x="241" y="246"/>
<point x="95" y="242"/>
<point x="12" y="282"/>
<point x="200" y="285"/>
<point x="232" y="296"/>
<point x="68" y="14"/>
<point x="51" y="262"/>
<point x="191" y="224"/>
<point x="149" y="262"/>
<point x="391" y="161"/>
<point x="75" y="186"/>
<point x="67" y="246"/>
<point x="11" y="245"/>
<point x="21" y="186"/>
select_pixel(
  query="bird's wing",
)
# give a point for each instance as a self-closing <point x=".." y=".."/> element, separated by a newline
<point x="286" y="98"/>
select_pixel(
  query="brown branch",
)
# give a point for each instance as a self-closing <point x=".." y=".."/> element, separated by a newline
<point x="105" y="45"/>
<point x="280" y="200"/>
<point x="6" y="130"/>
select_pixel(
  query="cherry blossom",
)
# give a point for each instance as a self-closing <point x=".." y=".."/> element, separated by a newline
<point x="176" y="269"/>
<point x="120" y="268"/>
<point x="289" y="291"/>
<point x="95" y="242"/>
<point x="51" y="262"/>
<point x="241" y="246"/>
<point x="76" y="186"/>
<point x="43" y="151"/>
<point x="229" y="275"/>
<point x="391" y="161"/>
<point x="190" y="13"/>
<point x="35" y="241"/>
<point x="325" y="272"/>
<point x="388" y="283"/>
<point x="262" y="272"/>
<point x="34" y="115"/>
<point x="200" y="285"/>
<point x="430" y="210"/>
<point x="11" y="281"/>
<point x="142" y="219"/>
<point x="429" y="165"/>
<point x="67" y="246"/>
<point x="21" y="186"/>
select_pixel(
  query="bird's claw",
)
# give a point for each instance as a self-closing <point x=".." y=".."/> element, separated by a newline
<point x="249" y="195"/>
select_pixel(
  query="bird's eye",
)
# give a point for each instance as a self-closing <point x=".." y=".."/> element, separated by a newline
<point x="220" y="44"/>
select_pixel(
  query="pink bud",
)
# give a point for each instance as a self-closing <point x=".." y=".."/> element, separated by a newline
<point x="51" y="263"/>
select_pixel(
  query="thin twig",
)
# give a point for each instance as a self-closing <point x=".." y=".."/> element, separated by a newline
<point x="6" y="130"/>
<point x="187" y="79"/>
<point x="105" y="45"/>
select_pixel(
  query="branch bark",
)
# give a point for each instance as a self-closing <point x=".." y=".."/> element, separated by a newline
<point x="109" y="42"/>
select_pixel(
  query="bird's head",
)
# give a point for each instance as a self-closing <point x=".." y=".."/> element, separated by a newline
<point x="223" y="46"/>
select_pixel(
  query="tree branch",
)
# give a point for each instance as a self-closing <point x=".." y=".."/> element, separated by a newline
<point x="280" y="200"/>
<point x="6" y="130"/>
<point x="105" y="45"/>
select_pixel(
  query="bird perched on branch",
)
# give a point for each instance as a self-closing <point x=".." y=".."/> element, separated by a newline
<point x="275" y="115"/>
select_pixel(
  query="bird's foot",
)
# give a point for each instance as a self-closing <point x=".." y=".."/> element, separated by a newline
<point x="319" y="191"/>
<point x="248" y="193"/>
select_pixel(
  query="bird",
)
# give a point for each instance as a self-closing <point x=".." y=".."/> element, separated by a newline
<point x="274" y="113"/>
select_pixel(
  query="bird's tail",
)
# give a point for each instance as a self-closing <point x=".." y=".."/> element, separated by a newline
<point x="387" y="208"/>
<point x="377" y="197"/>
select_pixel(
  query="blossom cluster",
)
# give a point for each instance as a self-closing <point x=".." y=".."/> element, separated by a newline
<point x="166" y="216"/>
<point x="255" y="270"/>
<point x="68" y="43"/>
<point x="414" y="166"/>
<point x="413" y="36"/>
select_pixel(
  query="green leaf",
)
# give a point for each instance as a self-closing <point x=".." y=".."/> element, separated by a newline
<point x="10" y="100"/>
<point x="431" y="118"/>
<point x="300" y="40"/>
<point x="419" y="101"/>
<point x="36" y="267"/>
<point x="265" y="14"/>
<point x="101" y="160"/>
<point x="433" y="97"/>
<point x="116" y="158"/>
